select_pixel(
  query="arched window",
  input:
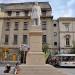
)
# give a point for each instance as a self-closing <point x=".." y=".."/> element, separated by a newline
<point x="67" y="40"/>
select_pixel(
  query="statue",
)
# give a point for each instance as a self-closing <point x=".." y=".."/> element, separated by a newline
<point x="35" y="15"/>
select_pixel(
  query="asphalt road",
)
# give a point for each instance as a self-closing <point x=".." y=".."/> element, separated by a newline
<point x="68" y="71"/>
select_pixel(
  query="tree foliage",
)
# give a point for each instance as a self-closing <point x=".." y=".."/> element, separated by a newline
<point x="46" y="50"/>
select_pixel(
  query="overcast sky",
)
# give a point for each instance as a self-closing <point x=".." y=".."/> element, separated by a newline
<point x="60" y="8"/>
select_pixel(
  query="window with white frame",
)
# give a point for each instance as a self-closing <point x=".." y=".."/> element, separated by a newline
<point x="66" y="26"/>
<point x="67" y="40"/>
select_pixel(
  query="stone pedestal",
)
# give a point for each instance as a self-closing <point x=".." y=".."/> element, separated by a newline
<point x="35" y="56"/>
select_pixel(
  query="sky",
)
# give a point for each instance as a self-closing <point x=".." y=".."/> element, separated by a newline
<point x="60" y="8"/>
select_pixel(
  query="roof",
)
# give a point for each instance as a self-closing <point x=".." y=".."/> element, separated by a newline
<point x="66" y="18"/>
<point x="65" y="55"/>
<point x="29" y="4"/>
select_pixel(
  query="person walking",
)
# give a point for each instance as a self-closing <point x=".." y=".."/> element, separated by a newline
<point x="16" y="69"/>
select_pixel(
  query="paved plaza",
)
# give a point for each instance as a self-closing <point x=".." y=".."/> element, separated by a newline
<point x="2" y="70"/>
<point x="68" y="71"/>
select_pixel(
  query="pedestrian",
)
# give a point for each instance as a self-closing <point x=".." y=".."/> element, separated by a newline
<point x="7" y="68"/>
<point x="17" y="68"/>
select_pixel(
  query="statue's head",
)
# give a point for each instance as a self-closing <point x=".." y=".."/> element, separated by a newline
<point x="36" y="3"/>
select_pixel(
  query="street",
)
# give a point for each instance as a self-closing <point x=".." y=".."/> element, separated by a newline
<point x="68" y="71"/>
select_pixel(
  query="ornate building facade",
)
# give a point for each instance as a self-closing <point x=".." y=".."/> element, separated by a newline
<point x="15" y="22"/>
<point x="66" y="34"/>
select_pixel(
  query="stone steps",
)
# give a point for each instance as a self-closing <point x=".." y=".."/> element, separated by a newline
<point x="39" y="70"/>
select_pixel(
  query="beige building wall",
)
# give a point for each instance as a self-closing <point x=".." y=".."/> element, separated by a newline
<point x="53" y="33"/>
<point x="70" y="30"/>
<point x="21" y="18"/>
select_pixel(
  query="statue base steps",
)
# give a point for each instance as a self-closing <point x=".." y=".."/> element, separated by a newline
<point x="35" y="58"/>
<point x="39" y="70"/>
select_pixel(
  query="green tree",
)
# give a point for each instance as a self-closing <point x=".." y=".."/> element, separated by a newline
<point x="46" y="50"/>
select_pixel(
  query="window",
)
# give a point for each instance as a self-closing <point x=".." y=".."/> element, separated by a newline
<point x="9" y="13"/>
<point x="7" y="27"/>
<point x="26" y="13"/>
<point x="43" y="25"/>
<point x="54" y="25"/>
<point x="66" y="26"/>
<point x="44" y="39"/>
<point x="55" y="43"/>
<point x="25" y="26"/>
<point x="25" y="39"/>
<point x="44" y="13"/>
<point x="67" y="42"/>
<point x="67" y="39"/>
<point x="55" y="33"/>
<point x="15" y="39"/>
<point x="17" y="13"/>
<point x="6" y="39"/>
<point x="16" y="25"/>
